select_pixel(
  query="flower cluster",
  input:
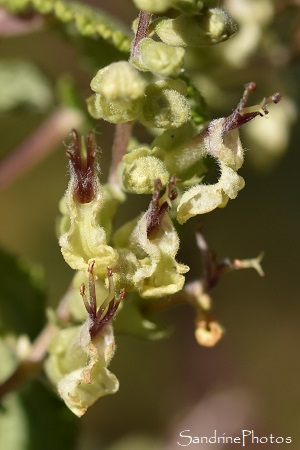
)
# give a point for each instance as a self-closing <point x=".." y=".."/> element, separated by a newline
<point x="140" y="257"/>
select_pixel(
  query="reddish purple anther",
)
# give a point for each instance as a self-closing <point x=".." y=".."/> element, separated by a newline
<point x="101" y="316"/>
<point x="240" y="115"/>
<point x="156" y="210"/>
<point x="83" y="169"/>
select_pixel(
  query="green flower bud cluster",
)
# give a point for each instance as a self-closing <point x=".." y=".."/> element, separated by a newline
<point x="122" y="95"/>
<point x="197" y="25"/>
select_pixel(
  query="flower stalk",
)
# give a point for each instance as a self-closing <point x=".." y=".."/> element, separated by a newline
<point x="141" y="33"/>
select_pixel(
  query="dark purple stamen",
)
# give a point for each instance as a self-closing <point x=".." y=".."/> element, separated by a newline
<point x="83" y="169"/>
<point x="101" y="317"/>
<point x="156" y="211"/>
<point x="239" y="117"/>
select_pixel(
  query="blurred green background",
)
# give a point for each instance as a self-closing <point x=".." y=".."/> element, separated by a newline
<point x="251" y="378"/>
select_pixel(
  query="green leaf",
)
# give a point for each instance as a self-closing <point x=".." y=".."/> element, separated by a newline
<point x="35" y="419"/>
<point x="22" y="296"/>
<point x="8" y="359"/>
<point x="13" y="426"/>
<point x="50" y="425"/>
<point x="23" y="84"/>
<point x="87" y="20"/>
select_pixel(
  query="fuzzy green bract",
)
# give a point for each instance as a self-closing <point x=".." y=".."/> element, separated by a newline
<point x="148" y="265"/>
<point x="78" y="366"/>
<point x="82" y="239"/>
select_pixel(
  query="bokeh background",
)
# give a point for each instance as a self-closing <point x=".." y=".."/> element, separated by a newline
<point x="250" y="380"/>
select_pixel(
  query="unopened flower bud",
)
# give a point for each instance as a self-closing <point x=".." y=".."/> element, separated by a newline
<point x="213" y="26"/>
<point x="119" y="81"/>
<point x="141" y="169"/>
<point x="119" y="90"/>
<point x="160" y="58"/>
<point x="114" y="112"/>
<point x="77" y="366"/>
<point x="165" y="104"/>
<point x="207" y="333"/>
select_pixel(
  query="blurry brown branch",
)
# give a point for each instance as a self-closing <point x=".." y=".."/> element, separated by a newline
<point x="31" y="366"/>
<point x="37" y="146"/>
<point x="12" y="25"/>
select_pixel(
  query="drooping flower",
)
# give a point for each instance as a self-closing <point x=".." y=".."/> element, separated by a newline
<point x="220" y="139"/>
<point x="79" y="355"/>
<point x="147" y="250"/>
<point x="82" y="239"/>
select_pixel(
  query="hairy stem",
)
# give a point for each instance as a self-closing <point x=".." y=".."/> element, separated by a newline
<point x="32" y="365"/>
<point x="121" y="139"/>
<point x="141" y="33"/>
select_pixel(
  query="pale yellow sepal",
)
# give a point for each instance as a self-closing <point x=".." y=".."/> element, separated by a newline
<point x="84" y="240"/>
<point x="201" y="199"/>
<point x="78" y="366"/>
<point x="161" y="59"/>
<point x="226" y="147"/>
<point x="159" y="273"/>
<point x="146" y="265"/>
<point x="213" y="26"/>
